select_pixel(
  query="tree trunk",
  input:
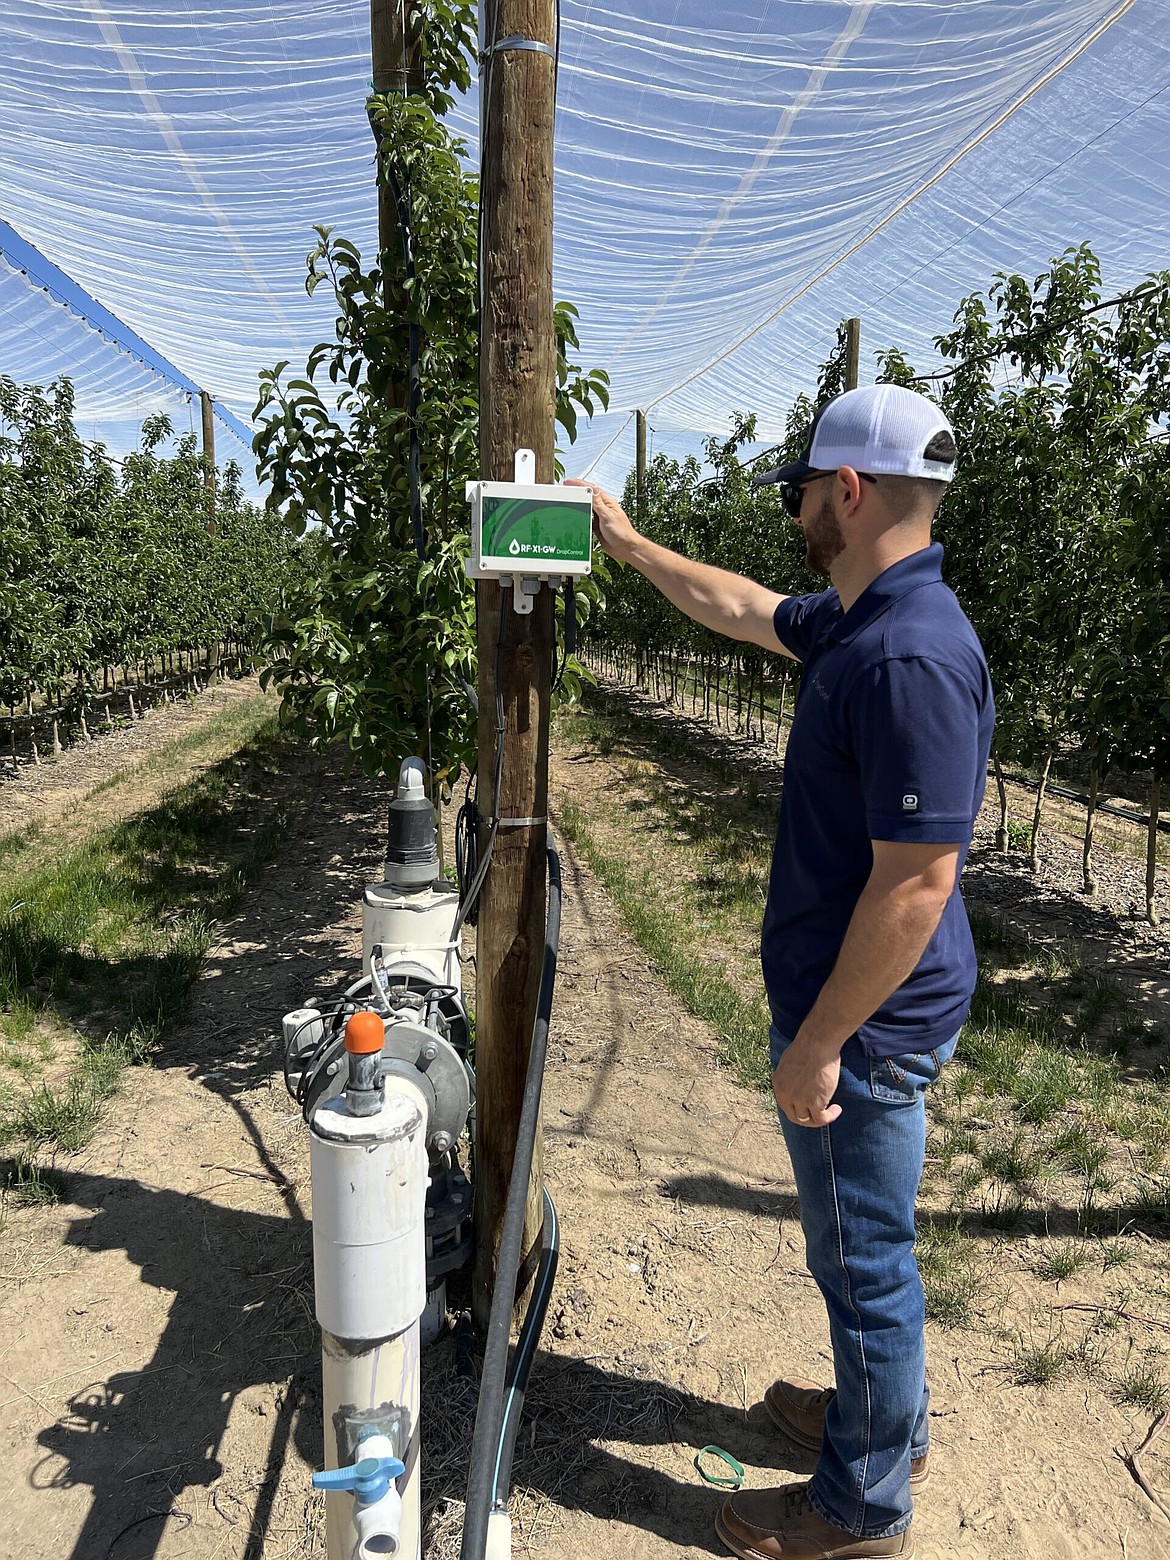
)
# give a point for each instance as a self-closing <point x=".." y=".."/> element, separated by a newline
<point x="1034" y="852"/>
<point x="780" y="708"/>
<point x="1001" y="829"/>
<point x="1088" y="880"/>
<point x="1152" y="915"/>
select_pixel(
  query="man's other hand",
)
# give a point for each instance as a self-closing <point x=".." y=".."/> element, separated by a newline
<point x="611" y="525"/>
<point x="805" y="1082"/>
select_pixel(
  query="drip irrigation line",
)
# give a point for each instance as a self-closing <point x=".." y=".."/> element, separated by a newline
<point x="1109" y="808"/>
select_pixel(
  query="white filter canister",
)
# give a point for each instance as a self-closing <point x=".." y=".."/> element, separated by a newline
<point x="369" y="1215"/>
<point x="415" y="928"/>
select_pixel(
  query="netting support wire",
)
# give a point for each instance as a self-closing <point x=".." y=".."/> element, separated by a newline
<point x="976" y="140"/>
<point x="597" y="459"/>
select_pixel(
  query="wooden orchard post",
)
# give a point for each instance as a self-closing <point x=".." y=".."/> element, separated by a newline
<point x="395" y="67"/>
<point x="206" y="407"/>
<point x="517" y="388"/>
<point x="852" y="353"/>
<point x="640" y="465"/>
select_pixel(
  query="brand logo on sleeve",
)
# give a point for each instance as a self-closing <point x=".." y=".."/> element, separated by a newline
<point x="910" y="802"/>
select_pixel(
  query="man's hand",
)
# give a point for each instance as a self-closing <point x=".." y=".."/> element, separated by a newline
<point x="611" y="524"/>
<point x="805" y="1082"/>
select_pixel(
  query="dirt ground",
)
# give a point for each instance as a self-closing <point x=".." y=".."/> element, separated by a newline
<point x="159" y="1384"/>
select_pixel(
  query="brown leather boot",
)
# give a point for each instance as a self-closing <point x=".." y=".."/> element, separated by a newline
<point x="780" y="1524"/>
<point x="798" y="1408"/>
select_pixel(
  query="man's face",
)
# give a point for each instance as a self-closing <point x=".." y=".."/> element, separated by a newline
<point x="823" y="537"/>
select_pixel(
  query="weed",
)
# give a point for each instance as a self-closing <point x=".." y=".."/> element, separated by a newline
<point x="1014" y="1162"/>
<point x="1041" y="1365"/>
<point x="1063" y="1260"/>
<point x="951" y="1281"/>
<point x="1019" y="835"/>
<point x="65" y="1117"/>
<point x="1153" y="1197"/>
<point x="28" y="1185"/>
<point x="1142" y="1387"/>
<point x="1115" y="1254"/>
<point x="1046" y="1082"/>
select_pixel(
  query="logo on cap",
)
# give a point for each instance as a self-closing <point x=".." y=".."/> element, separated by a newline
<point x="910" y="802"/>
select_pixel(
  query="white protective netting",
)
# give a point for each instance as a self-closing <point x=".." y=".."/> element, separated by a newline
<point x="732" y="180"/>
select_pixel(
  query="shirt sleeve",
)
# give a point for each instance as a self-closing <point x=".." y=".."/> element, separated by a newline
<point x="800" y="621"/>
<point x="915" y="725"/>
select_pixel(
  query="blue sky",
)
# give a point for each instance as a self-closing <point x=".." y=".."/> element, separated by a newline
<point x="726" y="191"/>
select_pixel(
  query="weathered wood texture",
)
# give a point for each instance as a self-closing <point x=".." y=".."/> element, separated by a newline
<point x="517" y="399"/>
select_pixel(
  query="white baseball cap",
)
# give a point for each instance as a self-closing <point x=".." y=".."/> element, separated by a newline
<point x="880" y="429"/>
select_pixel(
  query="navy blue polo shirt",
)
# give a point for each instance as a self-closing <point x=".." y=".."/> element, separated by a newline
<point x="889" y="741"/>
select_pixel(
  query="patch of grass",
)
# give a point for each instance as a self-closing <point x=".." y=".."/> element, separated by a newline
<point x="112" y="931"/>
<point x="951" y="1278"/>
<point x="1115" y="1253"/>
<point x="1040" y="1365"/>
<point x="738" y="1013"/>
<point x="1062" y="1260"/>
<point x="27" y="1184"/>
<point x="1142" y="1386"/>
<point x="66" y="1117"/>
<point x="18" y="842"/>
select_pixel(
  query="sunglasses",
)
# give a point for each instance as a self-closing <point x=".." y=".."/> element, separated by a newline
<point x="792" y="493"/>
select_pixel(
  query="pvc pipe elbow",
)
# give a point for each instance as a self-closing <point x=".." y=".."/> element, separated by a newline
<point x="378" y="1527"/>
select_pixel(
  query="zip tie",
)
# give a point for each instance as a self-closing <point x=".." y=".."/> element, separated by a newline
<point x="516" y="42"/>
<point x="734" y="1483"/>
<point x="519" y="823"/>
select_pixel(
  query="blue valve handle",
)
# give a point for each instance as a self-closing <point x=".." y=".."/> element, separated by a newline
<point x="369" y="1479"/>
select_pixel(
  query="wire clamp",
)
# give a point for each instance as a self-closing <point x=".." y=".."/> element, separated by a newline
<point x="519" y="823"/>
<point x="516" y="43"/>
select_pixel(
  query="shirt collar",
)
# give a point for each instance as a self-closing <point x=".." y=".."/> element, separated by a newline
<point x="910" y="573"/>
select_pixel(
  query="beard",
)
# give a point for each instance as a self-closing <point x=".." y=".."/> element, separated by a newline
<point x="823" y="538"/>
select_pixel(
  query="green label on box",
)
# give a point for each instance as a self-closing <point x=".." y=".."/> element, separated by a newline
<point x="535" y="530"/>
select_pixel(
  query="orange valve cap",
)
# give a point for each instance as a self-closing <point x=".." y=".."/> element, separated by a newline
<point x="364" y="1033"/>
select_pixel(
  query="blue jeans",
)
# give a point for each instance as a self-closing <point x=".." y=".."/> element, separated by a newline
<point x="857" y="1180"/>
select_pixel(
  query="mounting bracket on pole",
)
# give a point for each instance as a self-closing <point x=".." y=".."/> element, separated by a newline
<point x="524" y="532"/>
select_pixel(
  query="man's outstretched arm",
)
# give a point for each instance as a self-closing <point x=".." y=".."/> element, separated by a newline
<point x="727" y="603"/>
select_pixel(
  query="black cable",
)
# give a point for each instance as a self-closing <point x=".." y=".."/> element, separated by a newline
<point x="469" y="894"/>
<point x="524" y="1354"/>
<point x="490" y="1422"/>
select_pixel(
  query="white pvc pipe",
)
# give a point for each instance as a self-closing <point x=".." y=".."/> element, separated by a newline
<point x="369" y="1253"/>
<point x="382" y="1380"/>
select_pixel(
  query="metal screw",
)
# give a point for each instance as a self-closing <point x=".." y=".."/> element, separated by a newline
<point x="442" y="1142"/>
<point x="429" y="1052"/>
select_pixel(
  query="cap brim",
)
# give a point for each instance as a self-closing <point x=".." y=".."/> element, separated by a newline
<point x="795" y="471"/>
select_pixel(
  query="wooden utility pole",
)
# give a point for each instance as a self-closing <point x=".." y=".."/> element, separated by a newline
<point x="206" y="407"/>
<point x="396" y="67"/>
<point x="640" y="465"/>
<point x="517" y="388"/>
<point x="852" y="353"/>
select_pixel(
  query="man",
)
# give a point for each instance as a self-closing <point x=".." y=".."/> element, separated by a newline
<point x="866" y="950"/>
